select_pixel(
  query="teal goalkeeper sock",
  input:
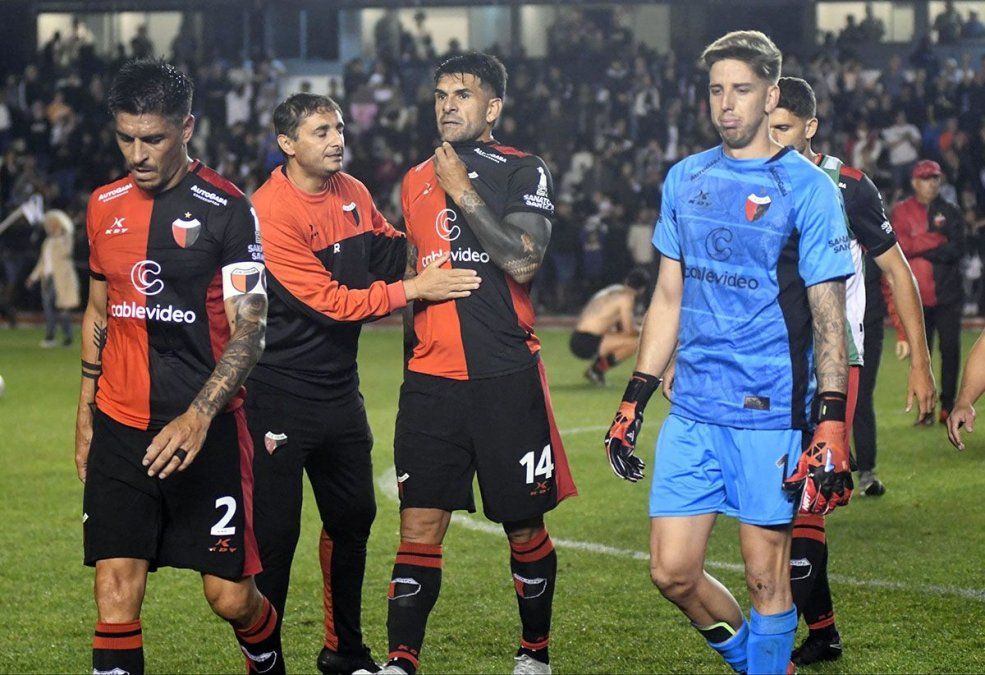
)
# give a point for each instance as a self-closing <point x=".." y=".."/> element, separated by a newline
<point x="770" y="643"/>
<point x="728" y="642"/>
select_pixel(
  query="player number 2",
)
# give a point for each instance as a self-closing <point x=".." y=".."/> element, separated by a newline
<point x="221" y="528"/>
<point x="545" y="466"/>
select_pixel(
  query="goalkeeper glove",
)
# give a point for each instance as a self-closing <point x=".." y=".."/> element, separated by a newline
<point x="824" y="473"/>
<point x="620" y="441"/>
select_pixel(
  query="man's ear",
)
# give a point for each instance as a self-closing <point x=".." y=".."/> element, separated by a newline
<point x="493" y="110"/>
<point x="286" y="144"/>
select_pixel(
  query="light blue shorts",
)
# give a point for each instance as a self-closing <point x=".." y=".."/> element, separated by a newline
<point x="706" y="468"/>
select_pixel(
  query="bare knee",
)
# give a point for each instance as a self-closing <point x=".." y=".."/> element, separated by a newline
<point x="675" y="583"/>
<point x="523" y="531"/>
<point x="119" y="590"/>
<point x="238" y="602"/>
<point x="423" y="526"/>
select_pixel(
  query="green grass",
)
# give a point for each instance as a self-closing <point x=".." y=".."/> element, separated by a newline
<point x="924" y="536"/>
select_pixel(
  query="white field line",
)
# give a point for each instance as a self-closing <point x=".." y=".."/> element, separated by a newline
<point x="387" y="484"/>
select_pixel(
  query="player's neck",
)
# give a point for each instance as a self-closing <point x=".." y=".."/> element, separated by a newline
<point x="306" y="182"/>
<point x="810" y="154"/>
<point x="177" y="177"/>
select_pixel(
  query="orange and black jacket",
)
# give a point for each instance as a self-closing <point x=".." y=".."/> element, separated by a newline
<point x="333" y="262"/>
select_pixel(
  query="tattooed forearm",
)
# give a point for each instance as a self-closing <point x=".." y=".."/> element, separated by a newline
<point x="516" y="244"/>
<point x="411" y="271"/>
<point x="99" y="334"/>
<point x="241" y="354"/>
<point x="827" y="303"/>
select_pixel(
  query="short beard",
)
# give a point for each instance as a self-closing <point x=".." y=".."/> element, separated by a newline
<point x="737" y="143"/>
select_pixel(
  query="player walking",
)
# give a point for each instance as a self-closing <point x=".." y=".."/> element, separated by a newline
<point x="751" y="285"/>
<point x="794" y="122"/>
<point x="333" y="262"/>
<point x="474" y="398"/>
<point x="175" y="320"/>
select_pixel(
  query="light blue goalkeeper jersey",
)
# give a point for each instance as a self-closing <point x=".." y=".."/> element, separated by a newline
<point x="752" y="235"/>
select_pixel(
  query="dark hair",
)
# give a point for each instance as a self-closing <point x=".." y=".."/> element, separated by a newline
<point x="289" y="114"/>
<point x="490" y="70"/>
<point x="151" y="86"/>
<point x="749" y="46"/>
<point x="797" y="97"/>
<point x="638" y="279"/>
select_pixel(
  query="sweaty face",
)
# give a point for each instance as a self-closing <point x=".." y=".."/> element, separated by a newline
<point x="788" y="129"/>
<point x="739" y="101"/>
<point x="155" y="148"/>
<point x="464" y="108"/>
<point x="320" y="143"/>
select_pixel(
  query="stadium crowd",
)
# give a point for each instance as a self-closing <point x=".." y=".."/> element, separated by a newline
<point x="608" y="114"/>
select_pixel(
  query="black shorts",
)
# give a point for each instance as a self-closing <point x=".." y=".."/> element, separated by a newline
<point x="200" y="518"/>
<point x="500" y="428"/>
<point x="585" y="345"/>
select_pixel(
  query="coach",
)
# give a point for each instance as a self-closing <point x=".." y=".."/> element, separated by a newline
<point x="333" y="263"/>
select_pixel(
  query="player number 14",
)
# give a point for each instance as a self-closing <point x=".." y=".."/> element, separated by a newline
<point x="545" y="466"/>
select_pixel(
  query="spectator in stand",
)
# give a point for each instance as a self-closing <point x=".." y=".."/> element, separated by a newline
<point x="973" y="28"/>
<point x="59" y="282"/>
<point x="872" y="28"/>
<point x="931" y="233"/>
<point x="948" y="25"/>
<point x="903" y="141"/>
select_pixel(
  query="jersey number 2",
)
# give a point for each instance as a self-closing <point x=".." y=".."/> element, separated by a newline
<point x="545" y="466"/>
<point x="221" y="528"/>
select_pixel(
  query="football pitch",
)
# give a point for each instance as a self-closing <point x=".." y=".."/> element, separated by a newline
<point x="906" y="567"/>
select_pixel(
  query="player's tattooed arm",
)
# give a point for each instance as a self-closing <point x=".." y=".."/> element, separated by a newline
<point x="180" y="441"/>
<point x="94" y="336"/>
<point x="242" y="352"/>
<point x="827" y="303"/>
<point x="516" y="244"/>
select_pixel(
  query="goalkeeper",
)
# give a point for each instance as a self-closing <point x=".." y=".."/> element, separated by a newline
<point x="751" y="292"/>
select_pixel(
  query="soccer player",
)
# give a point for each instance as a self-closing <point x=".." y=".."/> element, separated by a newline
<point x="752" y="287"/>
<point x="333" y="262"/>
<point x="474" y="398"/>
<point x="972" y="388"/>
<point x="794" y="122"/>
<point x="931" y="233"/>
<point x="606" y="331"/>
<point x="175" y="321"/>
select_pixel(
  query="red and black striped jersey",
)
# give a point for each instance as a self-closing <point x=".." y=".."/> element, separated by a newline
<point x="333" y="262"/>
<point x="489" y="333"/>
<point x="168" y="260"/>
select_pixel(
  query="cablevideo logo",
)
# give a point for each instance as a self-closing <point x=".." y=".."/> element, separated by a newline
<point x="443" y="225"/>
<point x="143" y="275"/>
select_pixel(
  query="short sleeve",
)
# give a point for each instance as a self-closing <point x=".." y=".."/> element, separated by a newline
<point x="531" y="189"/>
<point x="868" y="218"/>
<point x="92" y="226"/>
<point x="824" y="239"/>
<point x="666" y="237"/>
<point x="242" y="252"/>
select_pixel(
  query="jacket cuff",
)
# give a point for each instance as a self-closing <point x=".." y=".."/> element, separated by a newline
<point x="396" y="295"/>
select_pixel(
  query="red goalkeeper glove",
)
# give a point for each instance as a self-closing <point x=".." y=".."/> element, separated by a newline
<point x="620" y="441"/>
<point x="823" y="478"/>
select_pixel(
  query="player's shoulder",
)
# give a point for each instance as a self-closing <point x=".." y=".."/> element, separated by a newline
<point x="693" y="167"/>
<point x="807" y="175"/>
<point x="111" y="192"/>
<point x="350" y="186"/>
<point x="209" y="186"/>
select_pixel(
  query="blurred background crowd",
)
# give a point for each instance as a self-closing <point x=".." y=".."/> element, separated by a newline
<point x="606" y="112"/>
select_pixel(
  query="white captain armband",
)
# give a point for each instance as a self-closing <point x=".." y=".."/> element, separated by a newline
<point x="243" y="277"/>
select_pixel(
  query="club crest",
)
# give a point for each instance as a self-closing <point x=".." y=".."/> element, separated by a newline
<point x="245" y="279"/>
<point x="756" y="207"/>
<point x="186" y="230"/>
